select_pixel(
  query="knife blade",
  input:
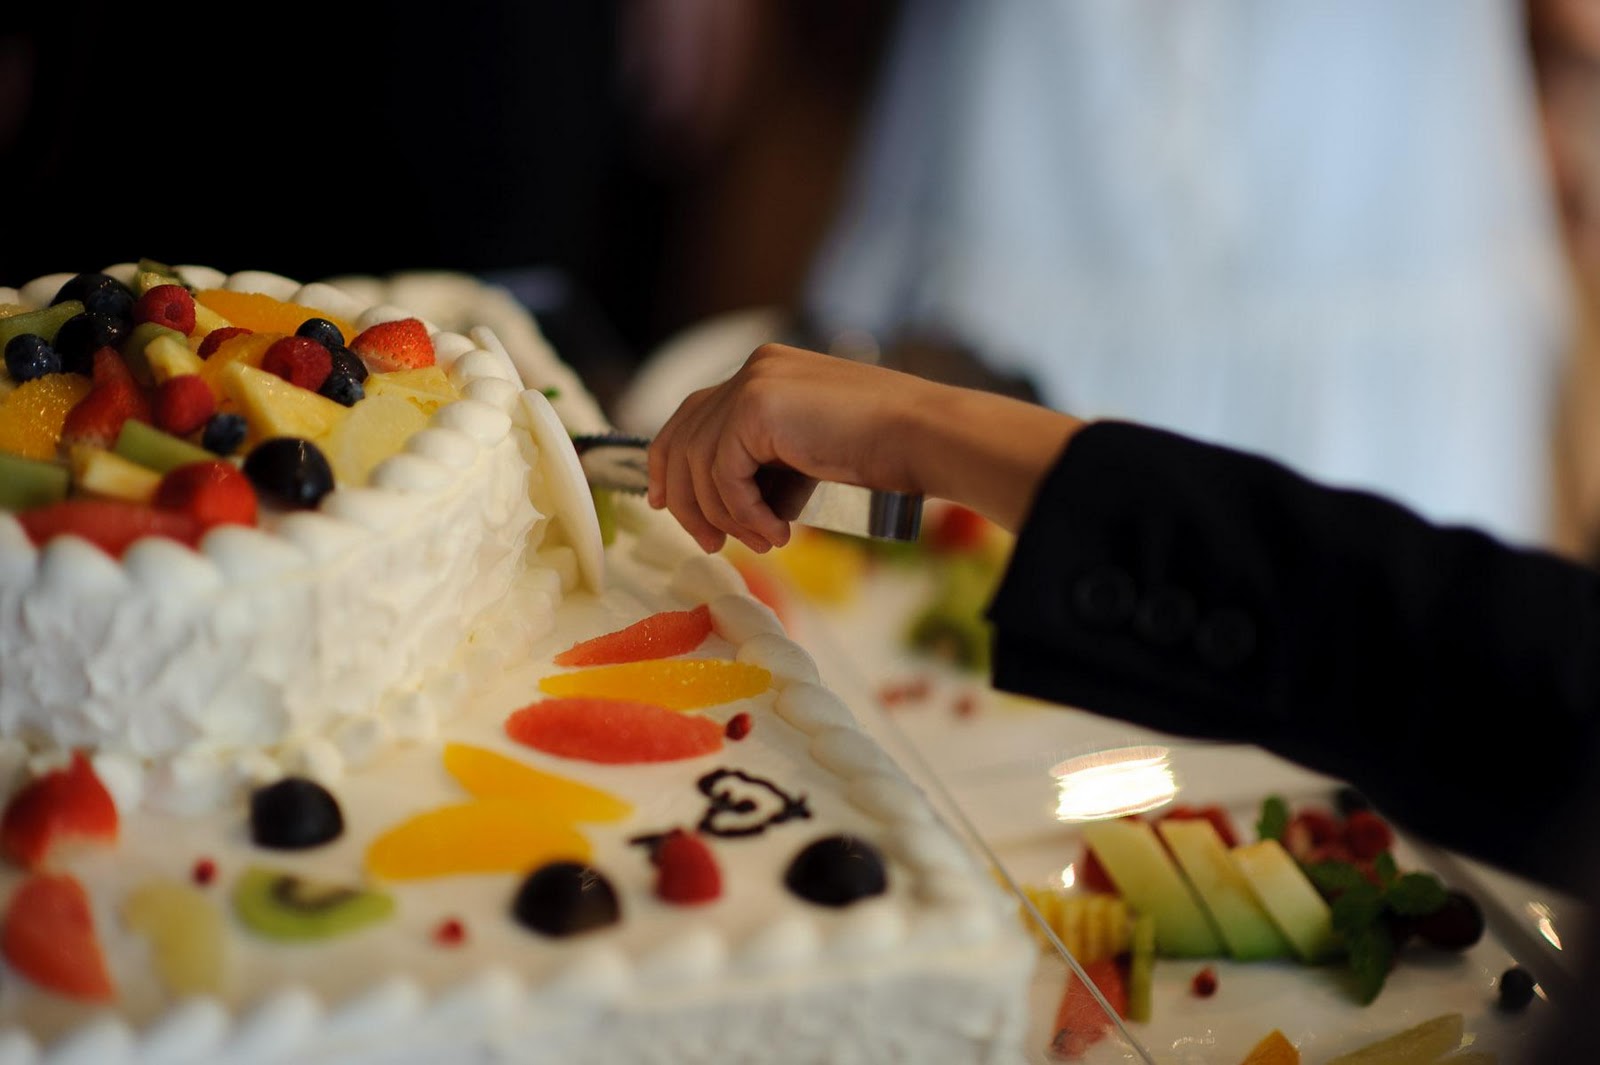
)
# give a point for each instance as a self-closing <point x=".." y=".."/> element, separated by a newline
<point x="619" y="462"/>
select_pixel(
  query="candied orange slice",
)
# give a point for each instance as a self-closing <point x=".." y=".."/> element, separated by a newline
<point x="823" y="567"/>
<point x="613" y="732"/>
<point x="671" y="632"/>
<point x="1274" y="1049"/>
<point x="262" y="313"/>
<point x="482" y="836"/>
<point x="678" y="684"/>
<point x="489" y="775"/>
<point x="32" y="414"/>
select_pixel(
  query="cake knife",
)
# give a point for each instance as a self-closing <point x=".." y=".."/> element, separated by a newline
<point x="618" y="461"/>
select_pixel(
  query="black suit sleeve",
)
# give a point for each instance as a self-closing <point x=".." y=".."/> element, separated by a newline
<point x="1209" y="593"/>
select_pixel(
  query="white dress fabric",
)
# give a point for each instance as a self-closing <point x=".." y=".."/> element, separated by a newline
<point x="1318" y="229"/>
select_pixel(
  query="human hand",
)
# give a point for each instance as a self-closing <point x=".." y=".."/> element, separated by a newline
<point x="836" y="420"/>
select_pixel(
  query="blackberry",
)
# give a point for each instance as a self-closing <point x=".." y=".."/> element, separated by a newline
<point x="223" y="434"/>
<point x="29" y="356"/>
<point x="322" y="331"/>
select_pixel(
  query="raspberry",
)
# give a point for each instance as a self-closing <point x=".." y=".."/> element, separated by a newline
<point x="1310" y="829"/>
<point x="184" y="404"/>
<point x="686" y="871"/>
<point x="1366" y="834"/>
<point x="212" y="493"/>
<point x="300" y="361"/>
<point x="168" y="305"/>
<point x="738" y="726"/>
<point x="216" y="338"/>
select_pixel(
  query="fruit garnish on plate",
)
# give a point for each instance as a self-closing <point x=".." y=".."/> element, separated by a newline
<point x="613" y="731"/>
<point x="48" y="936"/>
<point x="64" y="804"/>
<point x="661" y="635"/>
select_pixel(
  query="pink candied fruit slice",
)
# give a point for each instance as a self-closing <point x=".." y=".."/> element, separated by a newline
<point x="612" y="731"/>
<point x="671" y="632"/>
<point x="677" y="683"/>
<point x="49" y="937"/>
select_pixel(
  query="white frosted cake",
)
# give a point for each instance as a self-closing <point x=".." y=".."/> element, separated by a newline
<point x="340" y="802"/>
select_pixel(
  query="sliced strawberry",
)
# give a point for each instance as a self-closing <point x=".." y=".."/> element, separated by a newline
<point x="184" y="404"/>
<point x="115" y="397"/>
<point x="49" y="938"/>
<point x="402" y="344"/>
<point x="168" y="305"/>
<point x="110" y="524"/>
<point x="67" y="803"/>
<point x="662" y="635"/>
<point x="212" y="493"/>
<point x="216" y="338"/>
<point x="686" y="870"/>
<point x="1080" y="1020"/>
<point x="300" y="361"/>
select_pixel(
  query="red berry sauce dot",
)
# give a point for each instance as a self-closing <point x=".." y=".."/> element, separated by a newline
<point x="738" y="726"/>
<point x="1204" y="984"/>
<point x="450" y="933"/>
<point x="205" y="871"/>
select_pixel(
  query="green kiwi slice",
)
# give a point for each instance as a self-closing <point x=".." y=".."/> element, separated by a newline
<point x="283" y="906"/>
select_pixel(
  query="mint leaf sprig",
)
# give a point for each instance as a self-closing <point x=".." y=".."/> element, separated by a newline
<point x="1363" y="913"/>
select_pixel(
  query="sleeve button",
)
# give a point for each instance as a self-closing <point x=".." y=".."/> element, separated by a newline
<point x="1105" y="596"/>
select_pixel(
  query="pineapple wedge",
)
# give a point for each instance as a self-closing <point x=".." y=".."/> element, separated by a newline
<point x="274" y="407"/>
<point x="426" y="388"/>
<point x="108" y="475"/>
<point x="374" y="429"/>
<point x="169" y="357"/>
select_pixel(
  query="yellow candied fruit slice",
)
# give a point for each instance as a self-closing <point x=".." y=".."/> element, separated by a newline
<point x="263" y="314"/>
<point x="482" y="836"/>
<point x="487" y="774"/>
<point x="33" y="413"/>
<point x="822" y="567"/>
<point x="186" y="934"/>
<point x="676" y="683"/>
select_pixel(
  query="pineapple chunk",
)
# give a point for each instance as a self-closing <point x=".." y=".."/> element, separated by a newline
<point x="109" y="475"/>
<point x="426" y="388"/>
<point x="274" y="407"/>
<point x="169" y="357"/>
<point x="374" y="429"/>
<point x="206" y="320"/>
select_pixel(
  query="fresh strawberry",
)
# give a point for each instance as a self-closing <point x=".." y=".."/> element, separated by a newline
<point x="184" y="404"/>
<point x="49" y="938"/>
<point x="65" y="803"/>
<point x="402" y="344"/>
<point x="217" y="337"/>
<point x="168" y="305"/>
<point x="686" y="870"/>
<point x="957" y="529"/>
<point x="1366" y="834"/>
<point x="110" y="524"/>
<point x="300" y="361"/>
<point x="115" y="397"/>
<point x="212" y="493"/>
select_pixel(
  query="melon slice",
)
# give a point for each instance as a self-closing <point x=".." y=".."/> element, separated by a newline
<point x="1147" y="878"/>
<point x="1289" y="898"/>
<point x="1203" y="857"/>
<point x="1421" y="1044"/>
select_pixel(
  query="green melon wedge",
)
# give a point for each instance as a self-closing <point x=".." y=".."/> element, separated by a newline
<point x="1203" y="857"/>
<point x="1289" y="898"/>
<point x="1147" y="879"/>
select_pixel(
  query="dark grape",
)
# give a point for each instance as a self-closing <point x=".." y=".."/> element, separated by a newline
<point x="1456" y="925"/>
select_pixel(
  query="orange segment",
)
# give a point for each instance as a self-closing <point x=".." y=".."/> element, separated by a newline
<point x="32" y="414"/>
<point x="679" y="684"/>
<point x="483" y="836"/>
<point x="488" y="775"/>
<point x="262" y="313"/>
<point x="613" y="732"/>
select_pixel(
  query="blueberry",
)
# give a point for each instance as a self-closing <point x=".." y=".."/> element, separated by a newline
<point x="223" y="434"/>
<point x="322" y="331"/>
<point x="294" y="813"/>
<point x="565" y="898"/>
<point x="836" y="871"/>
<point x="79" y="288"/>
<point x="290" y="472"/>
<point x="83" y="335"/>
<point x="347" y="362"/>
<point x="1516" y="989"/>
<point x="342" y="388"/>
<point x="29" y="356"/>
<point x="113" y="301"/>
